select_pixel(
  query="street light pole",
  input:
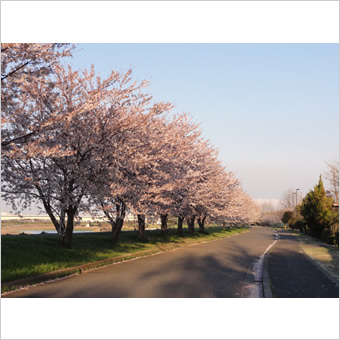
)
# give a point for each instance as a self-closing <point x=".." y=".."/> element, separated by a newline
<point x="296" y="202"/>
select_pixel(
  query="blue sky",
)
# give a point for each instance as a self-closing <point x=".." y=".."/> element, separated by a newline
<point x="271" y="109"/>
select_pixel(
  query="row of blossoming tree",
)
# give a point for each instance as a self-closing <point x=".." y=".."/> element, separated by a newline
<point x="74" y="142"/>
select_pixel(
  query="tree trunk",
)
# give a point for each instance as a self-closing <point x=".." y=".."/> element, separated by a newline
<point x="180" y="225"/>
<point x="59" y="226"/>
<point x="191" y="224"/>
<point x="71" y="211"/>
<point x="113" y="225"/>
<point x="200" y="222"/>
<point x="112" y="221"/>
<point x="223" y="224"/>
<point x="141" y="225"/>
<point x="118" y="229"/>
<point x="119" y="221"/>
<point x="164" y="225"/>
<point x="61" y="238"/>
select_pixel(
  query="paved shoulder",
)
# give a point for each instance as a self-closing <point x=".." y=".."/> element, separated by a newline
<point x="292" y="275"/>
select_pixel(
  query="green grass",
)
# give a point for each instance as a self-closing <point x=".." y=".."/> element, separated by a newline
<point x="27" y="256"/>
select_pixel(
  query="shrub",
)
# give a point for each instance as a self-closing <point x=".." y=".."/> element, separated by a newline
<point x="287" y="216"/>
<point x="297" y="223"/>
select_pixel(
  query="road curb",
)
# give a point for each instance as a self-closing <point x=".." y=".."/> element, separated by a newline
<point x="256" y="284"/>
<point x="266" y="290"/>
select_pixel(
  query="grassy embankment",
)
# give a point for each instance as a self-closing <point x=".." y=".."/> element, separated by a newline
<point x="32" y="255"/>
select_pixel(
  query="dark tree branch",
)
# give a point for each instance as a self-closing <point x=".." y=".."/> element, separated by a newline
<point x="18" y="138"/>
<point x="16" y="70"/>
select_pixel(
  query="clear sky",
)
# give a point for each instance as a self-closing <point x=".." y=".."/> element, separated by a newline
<point x="271" y="109"/>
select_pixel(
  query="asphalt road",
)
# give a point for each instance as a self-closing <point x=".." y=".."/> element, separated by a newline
<point x="292" y="275"/>
<point x="215" y="269"/>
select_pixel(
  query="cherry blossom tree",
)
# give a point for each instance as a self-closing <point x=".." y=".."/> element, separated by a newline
<point x="23" y="64"/>
<point x="206" y="189"/>
<point x="249" y="212"/>
<point x="133" y="179"/>
<point x="61" y="166"/>
<point x="179" y="135"/>
<point x="151" y="172"/>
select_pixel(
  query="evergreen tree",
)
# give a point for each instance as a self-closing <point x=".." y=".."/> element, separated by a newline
<point x="316" y="208"/>
<point x="286" y="216"/>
